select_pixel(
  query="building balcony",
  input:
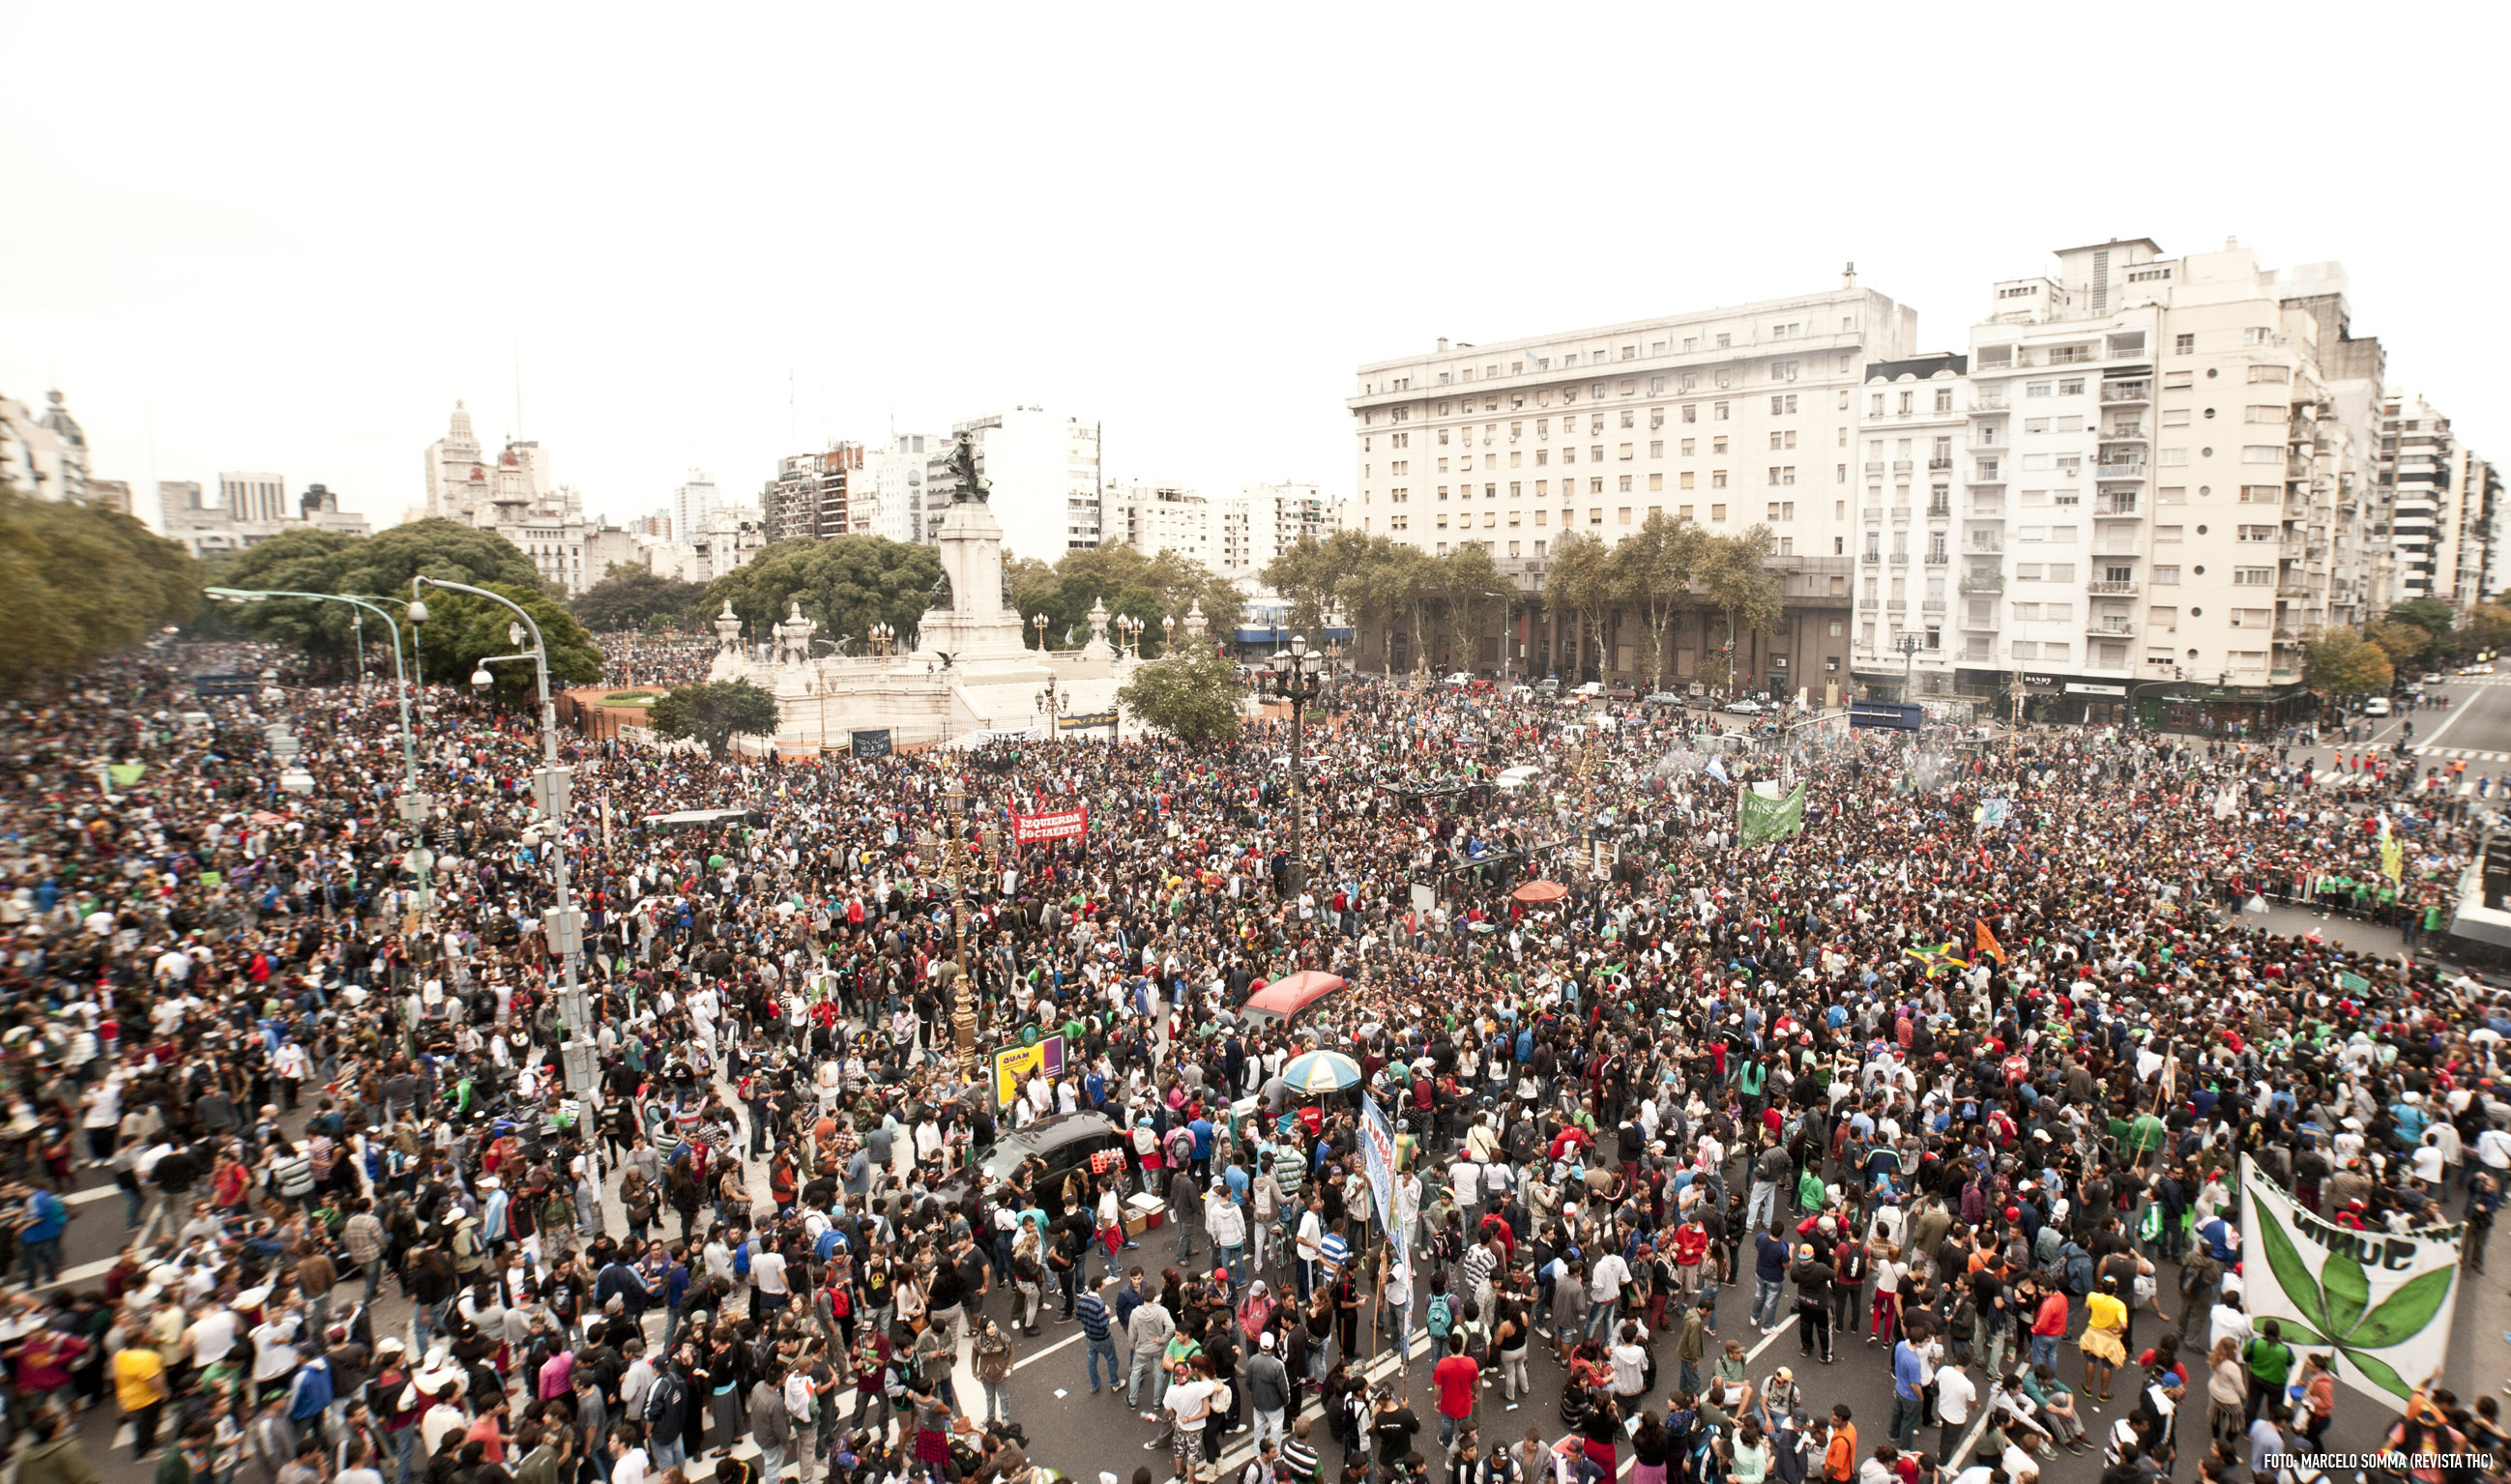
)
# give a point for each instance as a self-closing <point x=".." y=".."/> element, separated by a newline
<point x="1939" y="466"/>
<point x="2120" y="393"/>
<point x="1900" y="558"/>
<point x="1987" y="476"/>
<point x="2121" y="472"/>
<point x="2125" y="433"/>
<point x="1989" y="546"/>
<point x="2115" y="626"/>
<point x="1989" y="402"/>
<point x="1939" y="512"/>
<point x="1870" y="557"/>
<point x="1901" y="467"/>
<point x="1980" y="624"/>
<point x="1875" y="470"/>
<point x="2111" y="588"/>
<point x="1932" y="605"/>
<point x="1938" y="558"/>
<point x="1896" y="605"/>
<point x="2116" y="506"/>
<point x="1994" y="583"/>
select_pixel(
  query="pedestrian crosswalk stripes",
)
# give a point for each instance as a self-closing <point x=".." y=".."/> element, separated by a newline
<point x="2467" y="754"/>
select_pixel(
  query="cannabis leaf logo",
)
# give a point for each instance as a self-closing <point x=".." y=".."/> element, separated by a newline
<point x="2334" y="1303"/>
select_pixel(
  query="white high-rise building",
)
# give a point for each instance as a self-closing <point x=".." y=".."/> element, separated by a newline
<point x="693" y="506"/>
<point x="1043" y="476"/>
<point x="254" y="497"/>
<point x="889" y="488"/>
<point x="2158" y="484"/>
<point x="1263" y="521"/>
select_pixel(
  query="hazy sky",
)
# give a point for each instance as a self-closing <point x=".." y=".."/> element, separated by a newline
<point x="243" y="238"/>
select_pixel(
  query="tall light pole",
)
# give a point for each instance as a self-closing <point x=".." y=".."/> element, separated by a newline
<point x="414" y="807"/>
<point x="1297" y="677"/>
<point x="561" y="927"/>
<point x="1037" y="623"/>
<point x="1909" y="666"/>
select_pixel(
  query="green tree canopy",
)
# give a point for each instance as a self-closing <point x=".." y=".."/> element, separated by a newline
<point x="715" y="712"/>
<point x="1193" y="698"/>
<point x="461" y="630"/>
<point x="845" y="582"/>
<point x="2344" y="663"/>
<point x="1131" y="584"/>
<point x="2398" y="639"/>
<point x="1653" y="567"/>
<point x="378" y="566"/>
<point x="78" y="583"/>
<point x="636" y="598"/>
<point x="1736" y="578"/>
<point x="1315" y="575"/>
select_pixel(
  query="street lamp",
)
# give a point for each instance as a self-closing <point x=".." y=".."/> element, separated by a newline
<point x="1908" y="647"/>
<point x="1129" y="630"/>
<point x="1037" y="622"/>
<point x="880" y="638"/>
<point x="1052" y="703"/>
<point x="414" y="806"/>
<point x="1168" y="632"/>
<point x="1297" y="677"/>
<point x="561" y="926"/>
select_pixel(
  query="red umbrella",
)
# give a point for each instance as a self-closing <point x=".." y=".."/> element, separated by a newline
<point x="1540" y="891"/>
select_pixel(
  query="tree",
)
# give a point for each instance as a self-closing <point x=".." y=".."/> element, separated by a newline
<point x="2344" y="663"/>
<point x="1736" y="578"/>
<point x="2489" y="626"/>
<point x="715" y="713"/>
<point x="1468" y="584"/>
<point x="378" y="566"/>
<point x="2398" y="639"/>
<point x="78" y="583"/>
<point x="461" y="630"/>
<point x="636" y="598"/>
<point x="1580" y="583"/>
<point x="1193" y="698"/>
<point x="1653" y="567"/>
<point x="1314" y="575"/>
<point x="845" y="582"/>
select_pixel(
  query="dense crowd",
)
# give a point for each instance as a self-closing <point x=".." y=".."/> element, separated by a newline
<point x="1962" y="1069"/>
<point x="654" y="660"/>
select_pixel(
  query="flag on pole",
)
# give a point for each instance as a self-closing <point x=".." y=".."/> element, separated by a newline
<point x="1985" y="945"/>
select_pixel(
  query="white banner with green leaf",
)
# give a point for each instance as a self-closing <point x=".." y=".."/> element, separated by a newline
<point x="2378" y="1302"/>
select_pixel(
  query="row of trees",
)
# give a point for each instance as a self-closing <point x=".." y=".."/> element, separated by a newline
<point x="847" y="584"/>
<point x="2411" y="636"/>
<point x="78" y="584"/>
<point x="460" y="631"/>
<point x="1667" y="567"/>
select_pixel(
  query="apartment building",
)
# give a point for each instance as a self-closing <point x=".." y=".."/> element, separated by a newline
<point x="1914" y="424"/>
<point x="1263" y="521"/>
<point x="1152" y="518"/>
<point x="1044" y="476"/>
<point x="2417" y="459"/>
<point x="811" y="495"/>
<point x="2158" y="484"/>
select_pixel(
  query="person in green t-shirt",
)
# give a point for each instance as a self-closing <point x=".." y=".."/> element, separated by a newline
<point x="2270" y="1361"/>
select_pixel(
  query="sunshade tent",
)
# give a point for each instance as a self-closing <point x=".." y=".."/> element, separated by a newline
<point x="1540" y="890"/>
<point x="1293" y="993"/>
<point x="1316" y="1072"/>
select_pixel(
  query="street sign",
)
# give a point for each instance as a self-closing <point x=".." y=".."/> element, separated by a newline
<point x="1890" y="715"/>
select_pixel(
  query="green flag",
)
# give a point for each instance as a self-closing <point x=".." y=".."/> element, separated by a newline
<point x="126" y="773"/>
<point x="1759" y="819"/>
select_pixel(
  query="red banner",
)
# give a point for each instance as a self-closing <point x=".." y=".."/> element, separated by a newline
<point x="1064" y="825"/>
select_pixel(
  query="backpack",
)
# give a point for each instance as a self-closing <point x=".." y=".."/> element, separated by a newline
<point x="1437" y="1316"/>
<point x="2079" y="1269"/>
<point x="741" y="1258"/>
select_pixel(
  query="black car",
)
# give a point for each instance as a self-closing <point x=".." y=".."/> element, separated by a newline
<point x="1065" y="1141"/>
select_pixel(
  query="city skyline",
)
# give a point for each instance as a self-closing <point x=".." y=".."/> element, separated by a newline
<point x="240" y="291"/>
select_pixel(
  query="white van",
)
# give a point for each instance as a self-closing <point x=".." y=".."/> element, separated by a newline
<point x="2378" y="705"/>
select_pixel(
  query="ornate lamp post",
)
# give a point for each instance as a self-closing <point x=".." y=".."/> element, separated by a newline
<point x="880" y="638"/>
<point x="1052" y="703"/>
<point x="1299" y="677"/>
<point x="1167" y="633"/>
<point x="1037" y="623"/>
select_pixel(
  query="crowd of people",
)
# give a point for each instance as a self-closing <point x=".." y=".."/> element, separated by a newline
<point x="661" y="660"/>
<point x="1962" y="1070"/>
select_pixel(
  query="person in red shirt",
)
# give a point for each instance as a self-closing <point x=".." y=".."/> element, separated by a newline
<point x="1459" y="1381"/>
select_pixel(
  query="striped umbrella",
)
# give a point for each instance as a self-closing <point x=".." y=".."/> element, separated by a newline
<point x="1318" y="1072"/>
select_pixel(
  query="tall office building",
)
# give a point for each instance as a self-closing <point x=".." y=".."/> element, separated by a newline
<point x="888" y="497"/>
<point x="693" y="505"/>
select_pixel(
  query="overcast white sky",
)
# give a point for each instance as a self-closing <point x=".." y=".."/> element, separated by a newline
<point x="243" y="238"/>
